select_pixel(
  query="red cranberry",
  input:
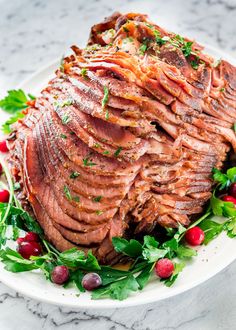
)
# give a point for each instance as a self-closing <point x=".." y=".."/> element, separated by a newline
<point x="164" y="268"/>
<point x="20" y="240"/>
<point x="228" y="198"/>
<point x="194" y="236"/>
<point x="28" y="249"/>
<point x="0" y="169"/>
<point x="3" y="146"/>
<point x="91" y="281"/>
<point x="31" y="237"/>
<point x="4" y="196"/>
<point x="60" y="274"/>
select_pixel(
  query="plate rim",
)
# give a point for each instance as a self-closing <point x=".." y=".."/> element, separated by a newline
<point x="109" y="303"/>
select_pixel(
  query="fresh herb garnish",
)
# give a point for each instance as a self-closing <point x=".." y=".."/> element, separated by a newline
<point x="143" y="48"/>
<point x="63" y="136"/>
<point x="117" y="152"/>
<point x="65" y="119"/>
<point x="74" y="175"/>
<point x="67" y="193"/>
<point x="14" y="103"/>
<point x="99" y="212"/>
<point x="83" y="72"/>
<point x="97" y="198"/>
<point x="105" y="97"/>
<point x="87" y="162"/>
<point x="106" y="152"/>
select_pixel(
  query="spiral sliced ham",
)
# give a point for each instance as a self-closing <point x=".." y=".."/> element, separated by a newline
<point x="124" y="138"/>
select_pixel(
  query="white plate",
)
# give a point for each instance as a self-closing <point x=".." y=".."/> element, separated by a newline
<point x="210" y="260"/>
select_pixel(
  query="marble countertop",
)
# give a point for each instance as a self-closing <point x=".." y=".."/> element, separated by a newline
<point x="33" y="33"/>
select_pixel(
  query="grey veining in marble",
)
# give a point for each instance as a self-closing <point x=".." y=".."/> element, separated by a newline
<point x="33" y="33"/>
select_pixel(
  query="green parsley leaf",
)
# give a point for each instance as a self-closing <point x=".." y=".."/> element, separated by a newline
<point x="6" y="127"/>
<point x="74" y="175"/>
<point x="130" y="248"/>
<point x="97" y="199"/>
<point x="87" y="162"/>
<point x="211" y="230"/>
<point x="65" y="119"/>
<point x="234" y="127"/>
<point x="184" y="252"/>
<point x="84" y="72"/>
<point x="105" y="97"/>
<point x="14" y="101"/>
<point x="221" y="178"/>
<point x="117" y="152"/>
<point x="119" y="290"/>
<point x="67" y="193"/>
<point x="99" y="212"/>
<point x="142" y="49"/>
<point x="178" y="268"/>
<point x="63" y="136"/>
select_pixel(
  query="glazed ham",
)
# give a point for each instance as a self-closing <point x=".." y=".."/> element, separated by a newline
<point x="124" y="138"/>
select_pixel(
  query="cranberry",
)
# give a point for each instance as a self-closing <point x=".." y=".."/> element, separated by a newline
<point x="0" y="169"/>
<point x="91" y="281"/>
<point x="195" y="236"/>
<point x="31" y="237"/>
<point x="20" y="240"/>
<point x="3" y="146"/>
<point x="28" y="249"/>
<point x="228" y="198"/>
<point x="164" y="268"/>
<point x="4" y="196"/>
<point x="60" y="274"/>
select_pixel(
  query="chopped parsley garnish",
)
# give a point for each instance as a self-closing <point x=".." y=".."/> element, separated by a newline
<point x="87" y="162"/>
<point x="117" y="152"/>
<point x="143" y="48"/>
<point x="106" y="152"/>
<point x="76" y="199"/>
<point x="97" y="145"/>
<point x="97" y="199"/>
<point x="65" y="119"/>
<point x="125" y="29"/>
<point x="62" y="104"/>
<point x="74" y="175"/>
<point x="84" y="72"/>
<point x="107" y="115"/>
<point x="195" y="63"/>
<point x="222" y="89"/>
<point x="63" y="136"/>
<point x="105" y="97"/>
<point x="234" y="127"/>
<point x="99" y="212"/>
<point x="67" y="193"/>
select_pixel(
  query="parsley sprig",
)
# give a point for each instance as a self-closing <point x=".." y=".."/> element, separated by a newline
<point x="14" y="103"/>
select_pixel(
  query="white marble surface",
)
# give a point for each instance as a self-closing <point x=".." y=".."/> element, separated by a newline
<point x="34" y="32"/>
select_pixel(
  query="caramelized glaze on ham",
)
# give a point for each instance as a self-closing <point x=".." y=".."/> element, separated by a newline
<point x="125" y="137"/>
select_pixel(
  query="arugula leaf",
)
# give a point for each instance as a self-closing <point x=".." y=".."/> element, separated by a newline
<point x="130" y="248"/>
